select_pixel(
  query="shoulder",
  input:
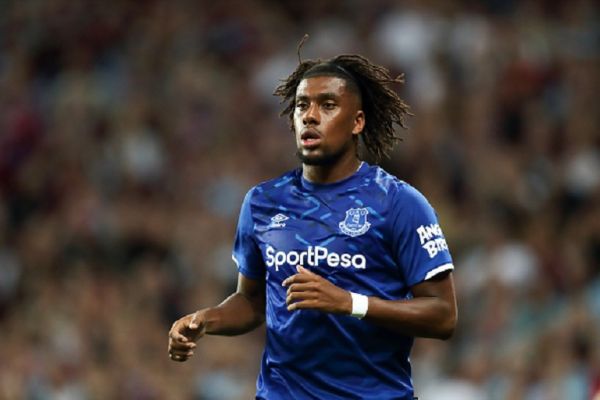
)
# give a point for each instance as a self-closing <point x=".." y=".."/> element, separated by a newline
<point x="394" y="186"/>
<point x="399" y="192"/>
<point x="273" y="186"/>
<point x="264" y="196"/>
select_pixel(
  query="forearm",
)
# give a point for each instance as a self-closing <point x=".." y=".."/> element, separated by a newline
<point x="431" y="317"/>
<point x="236" y="315"/>
<point x="430" y="313"/>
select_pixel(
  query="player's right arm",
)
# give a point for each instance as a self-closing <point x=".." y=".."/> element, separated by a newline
<point x="241" y="312"/>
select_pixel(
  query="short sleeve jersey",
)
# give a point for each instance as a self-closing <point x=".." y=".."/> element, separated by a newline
<point x="370" y="233"/>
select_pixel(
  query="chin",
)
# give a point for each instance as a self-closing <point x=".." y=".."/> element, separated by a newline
<point x="315" y="159"/>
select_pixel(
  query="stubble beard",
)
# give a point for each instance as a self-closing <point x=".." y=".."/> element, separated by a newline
<point x="317" y="160"/>
<point x="323" y="159"/>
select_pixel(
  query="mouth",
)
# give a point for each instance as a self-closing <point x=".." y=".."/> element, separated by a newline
<point x="310" y="138"/>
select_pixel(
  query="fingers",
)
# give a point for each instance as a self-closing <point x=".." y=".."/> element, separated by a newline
<point x="176" y="336"/>
<point x="302" y="287"/>
<point x="187" y="329"/>
<point x="307" y="290"/>
<point x="180" y="351"/>
<point x="295" y="298"/>
<point x="177" y="332"/>
<point x="303" y="270"/>
<point x="180" y="357"/>
<point x="303" y="275"/>
<point x="182" y="335"/>
<point x="181" y="346"/>
<point x="304" y="304"/>
<point x="181" y="340"/>
<point x="298" y="292"/>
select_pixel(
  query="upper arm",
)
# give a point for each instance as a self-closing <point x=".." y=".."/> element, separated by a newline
<point x="246" y="252"/>
<point x="254" y="291"/>
<point x="419" y="244"/>
<point x="248" y="258"/>
<point x="440" y="287"/>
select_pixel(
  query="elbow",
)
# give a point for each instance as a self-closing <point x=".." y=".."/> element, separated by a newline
<point x="260" y="318"/>
<point x="446" y="334"/>
<point x="448" y="327"/>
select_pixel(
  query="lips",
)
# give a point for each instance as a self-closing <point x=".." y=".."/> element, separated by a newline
<point x="310" y="138"/>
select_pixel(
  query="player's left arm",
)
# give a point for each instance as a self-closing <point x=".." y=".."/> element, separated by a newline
<point x="432" y="311"/>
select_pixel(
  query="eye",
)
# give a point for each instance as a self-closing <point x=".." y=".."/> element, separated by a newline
<point x="301" y="105"/>
<point x="329" y="105"/>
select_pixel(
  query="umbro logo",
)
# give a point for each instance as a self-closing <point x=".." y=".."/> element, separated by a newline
<point x="277" y="221"/>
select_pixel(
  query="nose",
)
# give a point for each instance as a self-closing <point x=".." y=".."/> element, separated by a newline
<point x="311" y="116"/>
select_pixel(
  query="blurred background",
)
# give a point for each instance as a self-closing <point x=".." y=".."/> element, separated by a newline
<point x="131" y="130"/>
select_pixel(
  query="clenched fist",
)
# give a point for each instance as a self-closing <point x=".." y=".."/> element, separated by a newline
<point x="183" y="335"/>
<point x="307" y="290"/>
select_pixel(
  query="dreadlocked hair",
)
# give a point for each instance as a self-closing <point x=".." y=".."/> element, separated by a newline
<point x="382" y="106"/>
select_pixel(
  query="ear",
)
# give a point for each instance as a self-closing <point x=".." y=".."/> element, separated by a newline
<point x="359" y="122"/>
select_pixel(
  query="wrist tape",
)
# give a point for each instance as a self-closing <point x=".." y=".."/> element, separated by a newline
<point x="360" y="305"/>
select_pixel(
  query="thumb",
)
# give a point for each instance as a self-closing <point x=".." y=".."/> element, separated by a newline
<point x="194" y="322"/>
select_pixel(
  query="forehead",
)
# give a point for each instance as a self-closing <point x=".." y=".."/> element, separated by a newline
<point x="316" y="85"/>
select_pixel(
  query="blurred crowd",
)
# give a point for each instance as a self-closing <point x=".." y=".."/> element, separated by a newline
<point x="130" y="132"/>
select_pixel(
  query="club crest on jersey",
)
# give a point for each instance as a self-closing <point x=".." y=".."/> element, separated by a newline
<point x="355" y="223"/>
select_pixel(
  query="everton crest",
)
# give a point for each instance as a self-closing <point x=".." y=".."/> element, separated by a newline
<point x="355" y="223"/>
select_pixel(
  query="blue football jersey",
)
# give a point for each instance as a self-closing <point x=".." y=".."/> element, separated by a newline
<point x="370" y="233"/>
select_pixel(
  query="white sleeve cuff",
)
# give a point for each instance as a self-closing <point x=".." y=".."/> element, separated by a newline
<point x="439" y="270"/>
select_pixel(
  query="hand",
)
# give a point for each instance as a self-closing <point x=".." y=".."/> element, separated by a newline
<point x="307" y="290"/>
<point x="184" y="332"/>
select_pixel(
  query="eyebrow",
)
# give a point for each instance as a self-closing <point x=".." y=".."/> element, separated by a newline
<point x="320" y="96"/>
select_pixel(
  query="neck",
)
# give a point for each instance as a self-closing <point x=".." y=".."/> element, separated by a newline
<point x="324" y="174"/>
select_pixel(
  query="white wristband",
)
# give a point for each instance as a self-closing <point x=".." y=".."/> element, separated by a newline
<point x="360" y="305"/>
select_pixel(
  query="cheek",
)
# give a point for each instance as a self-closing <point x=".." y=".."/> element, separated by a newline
<point x="338" y="124"/>
<point x="297" y="122"/>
